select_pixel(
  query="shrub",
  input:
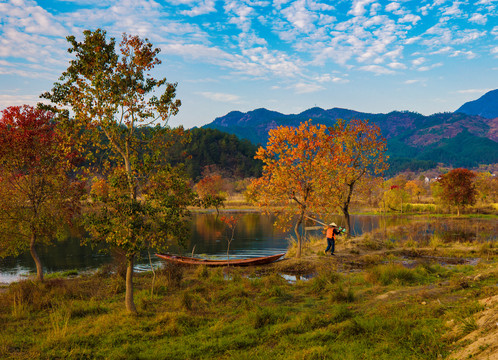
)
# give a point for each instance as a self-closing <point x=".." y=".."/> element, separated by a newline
<point x="173" y="274"/>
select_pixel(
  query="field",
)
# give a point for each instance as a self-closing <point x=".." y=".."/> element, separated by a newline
<point x="373" y="300"/>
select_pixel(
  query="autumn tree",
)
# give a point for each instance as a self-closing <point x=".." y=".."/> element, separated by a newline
<point x="292" y="172"/>
<point x="360" y="150"/>
<point x="457" y="188"/>
<point x="114" y="97"/>
<point x="414" y="188"/>
<point x="395" y="196"/>
<point x="486" y="187"/>
<point x="211" y="189"/>
<point x="37" y="194"/>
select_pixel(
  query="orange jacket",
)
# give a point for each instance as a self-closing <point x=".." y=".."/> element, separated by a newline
<point x="330" y="233"/>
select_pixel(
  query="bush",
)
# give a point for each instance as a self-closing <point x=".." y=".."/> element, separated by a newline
<point x="173" y="274"/>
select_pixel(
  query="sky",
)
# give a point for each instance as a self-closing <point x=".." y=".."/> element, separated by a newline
<point x="285" y="55"/>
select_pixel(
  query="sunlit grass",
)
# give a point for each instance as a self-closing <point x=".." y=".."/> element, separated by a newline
<point x="382" y="310"/>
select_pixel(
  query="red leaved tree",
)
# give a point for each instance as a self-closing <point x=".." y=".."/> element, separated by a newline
<point x="458" y="188"/>
<point x="36" y="192"/>
<point x="211" y="190"/>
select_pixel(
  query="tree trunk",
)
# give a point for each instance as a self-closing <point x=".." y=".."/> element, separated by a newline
<point x="34" y="255"/>
<point x="130" y="304"/>
<point x="298" y="236"/>
<point x="345" y="210"/>
<point x="347" y="220"/>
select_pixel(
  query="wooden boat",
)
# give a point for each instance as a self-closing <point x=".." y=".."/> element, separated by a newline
<point x="184" y="260"/>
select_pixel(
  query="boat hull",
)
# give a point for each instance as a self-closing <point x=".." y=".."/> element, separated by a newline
<point x="184" y="260"/>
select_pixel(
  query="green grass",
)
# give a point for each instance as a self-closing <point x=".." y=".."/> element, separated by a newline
<point x="385" y="311"/>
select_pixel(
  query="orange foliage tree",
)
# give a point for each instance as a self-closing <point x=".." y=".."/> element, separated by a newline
<point x="293" y="163"/>
<point x="360" y="149"/>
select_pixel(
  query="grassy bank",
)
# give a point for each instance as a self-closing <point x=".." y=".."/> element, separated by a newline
<point x="368" y="302"/>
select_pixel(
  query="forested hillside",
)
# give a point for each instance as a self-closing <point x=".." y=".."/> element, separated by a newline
<point x="231" y="155"/>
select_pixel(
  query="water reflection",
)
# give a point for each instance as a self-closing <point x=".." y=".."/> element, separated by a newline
<point x="254" y="236"/>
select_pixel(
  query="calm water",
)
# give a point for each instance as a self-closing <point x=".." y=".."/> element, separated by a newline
<point x="254" y="236"/>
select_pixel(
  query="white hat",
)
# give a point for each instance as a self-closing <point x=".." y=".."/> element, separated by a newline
<point x="333" y="224"/>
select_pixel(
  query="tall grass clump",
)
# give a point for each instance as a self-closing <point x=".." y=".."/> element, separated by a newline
<point x="202" y="272"/>
<point x="436" y="241"/>
<point x="59" y="320"/>
<point x="391" y="273"/>
<point x="464" y="315"/>
<point x="19" y="306"/>
<point x="342" y="294"/>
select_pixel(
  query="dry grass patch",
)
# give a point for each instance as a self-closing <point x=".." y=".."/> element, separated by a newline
<point x="480" y="342"/>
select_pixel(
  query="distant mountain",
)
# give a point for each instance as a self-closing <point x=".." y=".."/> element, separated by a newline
<point x="455" y="139"/>
<point x="486" y="106"/>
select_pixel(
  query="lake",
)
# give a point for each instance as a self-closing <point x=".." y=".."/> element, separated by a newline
<point x="254" y="236"/>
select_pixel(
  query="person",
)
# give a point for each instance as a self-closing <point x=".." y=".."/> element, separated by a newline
<point x="332" y="231"/>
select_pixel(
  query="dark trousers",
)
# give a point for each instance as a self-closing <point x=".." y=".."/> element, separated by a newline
<point x="330" y="245"/>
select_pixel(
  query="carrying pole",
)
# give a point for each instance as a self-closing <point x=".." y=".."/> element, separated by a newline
<point x="315" y="220"/>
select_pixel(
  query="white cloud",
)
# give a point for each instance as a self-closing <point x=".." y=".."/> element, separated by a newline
<point x="418" y="61"/>
<point x="468" y="54"/>
<point x="325" y="78"/>
<point x="414" y="81"/>
<point x="239" y="14"/>
<point x="453" y="10"/>
<point x="443" y="50"/>
<point x="299" y="16"/>
<point x="358" y="8"/>
<point x="468" y="35"/>
<point x="410" y="18"/>
<point x="277" y="63"/>
<point x="29" y="17"/>
<point x="376" y="69"/>
<point x="430" y="67"/>
<point x="494" y="51"/>
<point x="393" y="6"/>
<point x="204" y="7"/>
<point x="316" y="6"/>
<point x="412" y="40"/>
<point x="305" y="88"/>
<point x="479" y="19"/>
<point x="473" y="91"/>
<point x="397" y="66"/>
<point x="7" y="100"/>
<point x="220" y="97"/>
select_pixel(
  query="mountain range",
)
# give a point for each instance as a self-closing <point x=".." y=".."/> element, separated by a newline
<point x="468" y="137"/>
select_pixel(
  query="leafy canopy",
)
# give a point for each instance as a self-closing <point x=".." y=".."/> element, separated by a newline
<point x="37" y="192"/>
<point x="123" y="112"/>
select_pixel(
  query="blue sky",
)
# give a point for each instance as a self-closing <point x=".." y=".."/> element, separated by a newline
<point x="285" y="55"/>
